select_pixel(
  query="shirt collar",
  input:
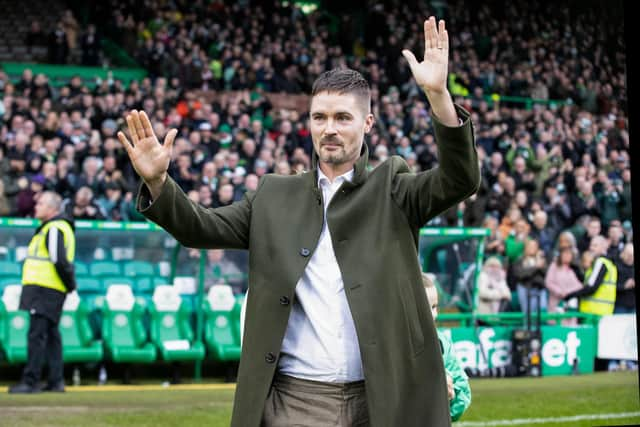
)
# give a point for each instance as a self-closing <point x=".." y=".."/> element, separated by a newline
<point x="347" y="176"/>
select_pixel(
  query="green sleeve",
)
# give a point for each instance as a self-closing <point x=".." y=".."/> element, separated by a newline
<point x="426" y="194"/>
<point x="195" y="226"/>
<point x="462" y="398"/>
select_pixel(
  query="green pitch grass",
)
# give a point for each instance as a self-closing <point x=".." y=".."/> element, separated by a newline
<point x="495" y="402"/>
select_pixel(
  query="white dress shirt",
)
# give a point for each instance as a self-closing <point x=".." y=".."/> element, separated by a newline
<point x="320" y="343"/>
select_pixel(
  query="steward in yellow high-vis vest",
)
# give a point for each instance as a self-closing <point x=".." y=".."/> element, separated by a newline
<point x="47" y="277"/>
<point x="599" y="293"/>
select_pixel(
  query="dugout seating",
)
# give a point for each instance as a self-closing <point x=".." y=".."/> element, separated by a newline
<point x="138" y="268"/>
<point x="105" y="268"/>
<point x="14" y="324"/>
<point x="123" y="331"/>
<point x="81" y="268"/>
<point x="9" y="280"/>
<point x="222" y="317"/>
<point x="171" y="330"/>
<point x="10" y="268"/>
<point x="78" y="341"/>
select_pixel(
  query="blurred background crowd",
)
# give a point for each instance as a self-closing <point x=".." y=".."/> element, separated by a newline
<point x="545" y="84"/>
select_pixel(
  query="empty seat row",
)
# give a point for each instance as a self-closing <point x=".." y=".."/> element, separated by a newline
<point x="125" y="338"/>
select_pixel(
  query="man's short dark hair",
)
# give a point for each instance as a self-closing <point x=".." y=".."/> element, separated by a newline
<point x="344" y="81"/>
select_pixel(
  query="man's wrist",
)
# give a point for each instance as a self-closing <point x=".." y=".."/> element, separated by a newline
<point x="442" y="107"/>
<point x="155" y="186"/>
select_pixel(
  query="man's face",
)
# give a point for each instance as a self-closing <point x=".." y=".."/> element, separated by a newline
<point x="598" y="245"/>
<point x="44" y="209"/>
<point x="594" y="228"/>
<point x="338" y="124"/>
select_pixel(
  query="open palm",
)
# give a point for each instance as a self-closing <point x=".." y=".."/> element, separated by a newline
<point x="431" y="73"/>
<point x="149" y="158"/>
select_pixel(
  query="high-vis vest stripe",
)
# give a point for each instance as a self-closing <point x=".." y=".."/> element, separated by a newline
<point x="603" y="300"/>
<point x="38" y="268"/>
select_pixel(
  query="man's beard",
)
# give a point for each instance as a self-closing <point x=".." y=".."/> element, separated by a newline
<point x="336" y="157"/>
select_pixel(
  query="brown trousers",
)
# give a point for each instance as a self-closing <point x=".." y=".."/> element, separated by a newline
<point x="294" y="402"/>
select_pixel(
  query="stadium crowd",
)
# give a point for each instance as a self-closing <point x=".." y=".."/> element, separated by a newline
<point x="550" y="166"/>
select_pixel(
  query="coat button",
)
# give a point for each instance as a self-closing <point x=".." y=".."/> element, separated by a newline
<point x="284" y="300"/>
<point x="305" y="252"/>
<point x="270" y="357"/>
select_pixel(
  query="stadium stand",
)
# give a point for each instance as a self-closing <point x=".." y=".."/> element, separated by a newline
<point x="546" y="95"/>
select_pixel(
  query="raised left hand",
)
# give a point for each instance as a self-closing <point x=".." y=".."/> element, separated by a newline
<point x="431" y="73"/>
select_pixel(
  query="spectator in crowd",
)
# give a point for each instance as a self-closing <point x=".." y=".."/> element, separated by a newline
<point x="626" y="285"/>
<point x="528" y="274"/>
<point x="494" y="244"/>
<point x="594" y="228"/>
<point x="5" y="205"/>
<point x="221" y="269"/>
<point x="566" y="240"/>
<point x="29" y="191"/>
<point x="90" y="176"/>
<point x="35" y="36"/>
<point x="90" y="45"/>
<point x="563" y="277"/>
<point x="58" y="44"/>
<point x="493" y="292"/>
<point x="224" y="195"/>
<point x="83" y="205"/>
<point x="616" y="241"/>
<point x="111" y="202"/>
<point x="514" y="244"/>
<point x="543" y="234"/>
<point x="458" y="389"/>
<point x="71" y="28"/>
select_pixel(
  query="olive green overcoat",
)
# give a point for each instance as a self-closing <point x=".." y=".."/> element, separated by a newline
<point x="374" y="222"/>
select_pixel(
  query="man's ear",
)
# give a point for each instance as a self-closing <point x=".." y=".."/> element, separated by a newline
<point x="368" y="122"/>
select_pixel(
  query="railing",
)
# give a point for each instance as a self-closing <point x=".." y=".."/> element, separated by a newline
<point x="512" y="318"/>
<point x="60" y="75"/>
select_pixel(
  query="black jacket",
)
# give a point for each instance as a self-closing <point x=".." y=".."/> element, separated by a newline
<point x="625" y="297"/>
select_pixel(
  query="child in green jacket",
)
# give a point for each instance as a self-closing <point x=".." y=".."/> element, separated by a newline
<point x="457" y="380"/>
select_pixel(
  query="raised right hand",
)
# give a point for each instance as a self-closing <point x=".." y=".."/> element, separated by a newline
<point x="149" y="158"/>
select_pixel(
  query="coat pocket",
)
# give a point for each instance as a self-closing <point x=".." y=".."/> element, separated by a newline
<point x="414" y="329"/>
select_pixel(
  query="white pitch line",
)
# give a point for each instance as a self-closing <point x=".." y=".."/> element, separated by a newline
<point x="520" y="421"/>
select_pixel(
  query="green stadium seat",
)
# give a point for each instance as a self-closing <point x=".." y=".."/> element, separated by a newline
<point x="171" y="330"/>
<point x="9" y="280"/>
<point x="10" y="268"/>
<point x="5" y="253"/>
<point x="221" y="338"/>
<point x="89" y="286"/>
<point x="15" y="324"/>
<point x="138" y="268"/>
<point x="144" y="286"/>
<point x="117" y="280"/>
<point x="160" y="280"/>
<point x="77" y="336"/>
<point x="91" y="291"/>
<point x="123" y="332"/>
<point x="105" y="268"/>
<point x="81" y="268"/>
